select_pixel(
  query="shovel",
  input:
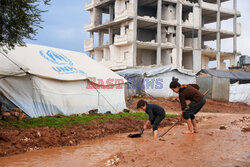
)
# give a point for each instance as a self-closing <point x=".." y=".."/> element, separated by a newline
<point x="137" y="134"/>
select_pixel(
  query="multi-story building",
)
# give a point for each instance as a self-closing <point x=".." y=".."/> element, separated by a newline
<point x="160" y="32"/>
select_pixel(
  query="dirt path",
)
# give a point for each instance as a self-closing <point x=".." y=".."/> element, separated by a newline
<point x="211" y="147"/>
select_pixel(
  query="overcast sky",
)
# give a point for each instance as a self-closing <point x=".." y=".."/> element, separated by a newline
<point x="63" y="26"/>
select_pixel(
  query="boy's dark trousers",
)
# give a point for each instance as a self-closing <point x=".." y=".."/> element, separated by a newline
<point x="157" y="121"/>
<point x="193" y="108"/>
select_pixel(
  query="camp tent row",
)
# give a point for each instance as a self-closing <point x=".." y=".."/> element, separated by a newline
<point x="232" y="86"/>
<point x="46" y="81"/>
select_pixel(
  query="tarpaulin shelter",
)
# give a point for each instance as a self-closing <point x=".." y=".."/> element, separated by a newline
<point x="45" y="81"/>
<point x="234" y="76"/>
<point x="232" y="86"/>
<point x="154" y="81"/>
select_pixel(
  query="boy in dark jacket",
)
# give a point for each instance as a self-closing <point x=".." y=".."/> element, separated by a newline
<point x="156" y="115"/>
<point x="189" y="92"/>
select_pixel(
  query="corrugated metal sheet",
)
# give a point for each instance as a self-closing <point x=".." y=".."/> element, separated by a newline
<point x="220" y="88"/>
<point x="205" y="83"/>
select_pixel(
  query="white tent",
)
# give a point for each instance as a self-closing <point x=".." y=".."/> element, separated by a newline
<point x="46" y="81"/>
<point x="157" y="81"/>
<point x="239" y="93"/>
<point x="154" y="81"/>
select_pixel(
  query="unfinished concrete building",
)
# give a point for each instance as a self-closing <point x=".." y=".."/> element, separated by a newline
<point x="131" y="33"/>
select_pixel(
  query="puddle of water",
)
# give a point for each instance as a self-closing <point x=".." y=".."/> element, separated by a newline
<point x="86" y="154"/>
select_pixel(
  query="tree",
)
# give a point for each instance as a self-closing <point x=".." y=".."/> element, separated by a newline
<point x="19" y="19"/>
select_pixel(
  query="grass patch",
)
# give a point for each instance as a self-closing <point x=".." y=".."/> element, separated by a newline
<point x="70" y="121"/>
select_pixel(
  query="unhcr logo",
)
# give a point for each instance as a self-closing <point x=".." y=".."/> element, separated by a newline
<point x="63" y="64"/>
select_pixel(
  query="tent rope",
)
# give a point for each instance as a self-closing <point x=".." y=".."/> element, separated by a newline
<point x="104" y="98"/>
<point x="14" y="63"/>
<point x="11" y="75"/>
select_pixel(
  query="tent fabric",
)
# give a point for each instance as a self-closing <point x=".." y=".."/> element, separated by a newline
<point x="43" y="97"/>
<point x="55" y="63"/>
<point x="239" y="93"/>
<point x="130" y="73"/>
<point x="154" y="81"/>
<point x="46" y="92"/>
<point x="165" y="69"/>
<point x="158" y="85"/>
<point x="135" y="80"/>
<point x="149" y="72"/>
<point x="243" y="77"/>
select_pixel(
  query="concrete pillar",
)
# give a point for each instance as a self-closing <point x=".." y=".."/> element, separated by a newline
<point x="179" y="34"/>
<point x="92" y="35"/>
<point x="135" y="32"/>
<point x="196" y="61"/>
<point x="92" y="38"/>
<point x="235" y="33"/>
<point x="202" y="23"/>
<point x="97" y="16"/>
<point x="111" y="13"/>
<point x="218" y="25"/>
<point x="100" y="38"/>
<point x="168" y="58"/>
<point x="159" y="16"/>
<point x="197" y="54"/>
<point x="200" y="26"/>
<point x="111" y="34"/>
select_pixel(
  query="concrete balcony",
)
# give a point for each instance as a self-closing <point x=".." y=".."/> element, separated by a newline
<point x="113" y="65"/>
<point x="167" y="45"/>
<point x="129" y="13"/>
<point x="147" y="19"/>
<point x="125" y="39"/>
<point x="89" y="5"/>
<point x="210" y="6"/>
<point x="230" y="12"/>
<point x="88" y="45"/>
<point x="147" y="45"/>
<point x="87" y="27"/>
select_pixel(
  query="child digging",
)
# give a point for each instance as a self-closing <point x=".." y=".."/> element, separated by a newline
<point x="156" y="115"/>
<point x="189" y="92"/>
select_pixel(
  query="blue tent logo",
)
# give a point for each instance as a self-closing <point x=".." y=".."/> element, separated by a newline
<point x="63" y="64"/>
<point x="56" y="58"/>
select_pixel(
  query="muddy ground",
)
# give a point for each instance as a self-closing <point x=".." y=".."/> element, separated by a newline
<point x="17" y="141"/>
<point x="212" y="147"/>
